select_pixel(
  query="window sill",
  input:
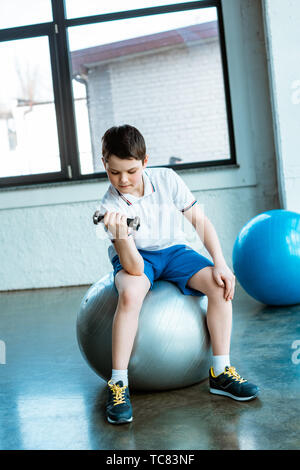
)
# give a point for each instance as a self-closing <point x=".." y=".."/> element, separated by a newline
<point x="200" y="179"/>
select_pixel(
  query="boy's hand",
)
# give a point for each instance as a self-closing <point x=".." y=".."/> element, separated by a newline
<point x="224" y="278"/>
<point x="116" y="223"/>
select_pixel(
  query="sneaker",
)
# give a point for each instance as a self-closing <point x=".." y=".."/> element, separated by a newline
<point x="118" y="406"/>
<point x="232" y="385"/>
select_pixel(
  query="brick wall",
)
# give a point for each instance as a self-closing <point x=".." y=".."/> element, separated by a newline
<point x="175" y="97"/>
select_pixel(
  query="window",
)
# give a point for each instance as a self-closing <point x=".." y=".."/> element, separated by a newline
<point x="161" y="69"/>
<point x="28" y="132"/>
<point x="19" y="12"/>
<point x="78" y="8"/>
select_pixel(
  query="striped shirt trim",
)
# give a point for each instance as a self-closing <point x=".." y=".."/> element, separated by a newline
<point x="153" y="188"/>
<point x="188" y="207"/>
<point x="124" y="198"/>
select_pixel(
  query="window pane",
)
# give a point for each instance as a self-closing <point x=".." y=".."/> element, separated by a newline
<point x="20" y="13"/>
<point x="161" y="74"/>
<point x="28" y="132"/>
<point x="78" y="8"/>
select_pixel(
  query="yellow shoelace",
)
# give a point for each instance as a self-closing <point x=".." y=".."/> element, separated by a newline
<point x="118" y="393"/>
<point x="231" y="372"/>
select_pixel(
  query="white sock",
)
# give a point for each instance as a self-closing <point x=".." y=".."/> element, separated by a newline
<point x="119" y="374"/>
<point x="219" y="364"/>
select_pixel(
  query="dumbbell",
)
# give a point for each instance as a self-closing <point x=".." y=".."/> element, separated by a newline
<point x="134" y="223"/>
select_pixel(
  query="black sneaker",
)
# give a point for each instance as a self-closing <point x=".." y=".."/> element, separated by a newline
<point x="118" y="406"/>
<point x="232" y="385"/>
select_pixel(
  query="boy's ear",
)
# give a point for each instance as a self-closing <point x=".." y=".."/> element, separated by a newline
<point x="145" y="161"/>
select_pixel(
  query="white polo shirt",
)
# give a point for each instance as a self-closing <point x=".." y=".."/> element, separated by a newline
<point x="160" y="209"/>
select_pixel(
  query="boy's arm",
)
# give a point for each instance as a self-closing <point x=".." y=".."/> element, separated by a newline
<point x="130" y="258"/>
<point x="207" y="233"/>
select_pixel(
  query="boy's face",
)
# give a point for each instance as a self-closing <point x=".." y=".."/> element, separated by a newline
<point x="125" y="174"/>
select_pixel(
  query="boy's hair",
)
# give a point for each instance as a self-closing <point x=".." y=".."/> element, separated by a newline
<point x="123" y="142"/>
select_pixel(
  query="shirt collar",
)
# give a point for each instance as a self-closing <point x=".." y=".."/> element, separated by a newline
<point x="148" y="189"/>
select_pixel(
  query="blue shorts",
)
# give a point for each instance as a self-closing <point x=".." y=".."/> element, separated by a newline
<point x="175" y="264"/>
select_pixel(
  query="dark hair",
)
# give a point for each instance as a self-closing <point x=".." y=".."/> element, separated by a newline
<point x="123" y="142"/>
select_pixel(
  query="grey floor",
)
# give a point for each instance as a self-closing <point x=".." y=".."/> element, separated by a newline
<point x="51" y="399"/>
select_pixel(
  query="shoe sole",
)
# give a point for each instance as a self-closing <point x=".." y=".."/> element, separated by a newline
<point x="226" y="394"/>
<point x="120" y="421"/>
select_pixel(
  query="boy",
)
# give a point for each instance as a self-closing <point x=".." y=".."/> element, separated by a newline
<point x="159" y="250"/>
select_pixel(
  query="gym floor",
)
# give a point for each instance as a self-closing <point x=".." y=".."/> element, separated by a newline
<point x="51" y="399"/>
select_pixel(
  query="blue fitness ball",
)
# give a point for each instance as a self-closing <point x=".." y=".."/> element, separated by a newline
<point x="266" y="257"/>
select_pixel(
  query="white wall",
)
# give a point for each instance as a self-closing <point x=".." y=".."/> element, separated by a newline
<point x="282" y="27"/>
<point x="47" y="237"/>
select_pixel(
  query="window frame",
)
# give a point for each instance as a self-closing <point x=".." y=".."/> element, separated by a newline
<point x="63" y="90"/>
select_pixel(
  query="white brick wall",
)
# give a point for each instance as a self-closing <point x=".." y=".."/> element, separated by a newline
<point x="175" y="97"/>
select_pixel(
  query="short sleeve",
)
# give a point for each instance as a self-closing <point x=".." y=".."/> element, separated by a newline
<point x="181" y="194"/>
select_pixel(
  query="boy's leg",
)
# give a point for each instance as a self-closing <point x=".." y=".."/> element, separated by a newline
<point x="219" y="320"/>
<point x="132" y="291"/>
<point x="219" y="311"/>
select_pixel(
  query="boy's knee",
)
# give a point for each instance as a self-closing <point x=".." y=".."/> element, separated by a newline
<point x="213" y="289"/>
<point x="215" y="292"/>
<point x="132" y="295"/>
<point x="130" y="298"/>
